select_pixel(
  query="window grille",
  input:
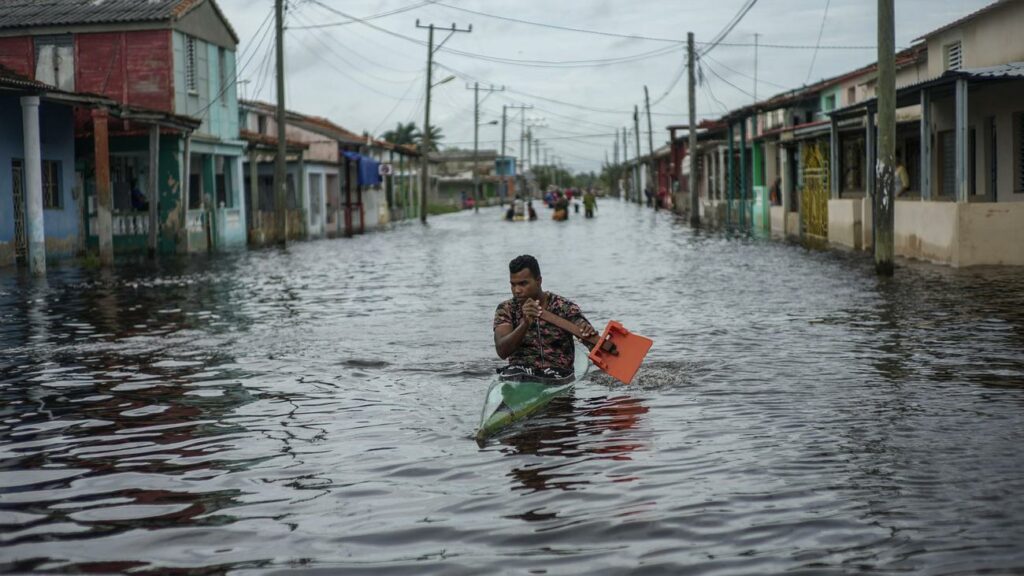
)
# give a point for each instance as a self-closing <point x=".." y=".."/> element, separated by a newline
<point x="1020" y="152"/>
<point x="51" y="185"/>
<point x="190" y="64"/>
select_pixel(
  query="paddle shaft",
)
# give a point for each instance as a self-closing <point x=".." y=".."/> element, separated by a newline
<point x="573" y="329"/>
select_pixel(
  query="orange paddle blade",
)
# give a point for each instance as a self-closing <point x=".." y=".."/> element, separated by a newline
<point x="632" y="349"/>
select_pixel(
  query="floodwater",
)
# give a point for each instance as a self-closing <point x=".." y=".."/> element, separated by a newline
<point x="312" y="409"/>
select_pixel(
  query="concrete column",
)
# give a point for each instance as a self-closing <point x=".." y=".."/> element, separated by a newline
<point x="786" y="186"/>
<point x="303" y="192"/>
<point x="154" y="183"/>
<point x="721" y="172"/>
<point x="254" y="185"/>
<point x="186" y="183"/>
<point x="926" y="145"/>
<point x="962" y="151"/>
<point x="104" y="194"/>
<point x="744" y="180"/>
<point x="730" y="178"/>
<point x="833" y="158"/>
<point x="869" y="151"/>
<point x="33" y="186"/>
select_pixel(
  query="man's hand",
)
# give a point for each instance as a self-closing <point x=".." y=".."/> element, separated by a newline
<point x="588" y="331"/>
<point x="531" y="310"/>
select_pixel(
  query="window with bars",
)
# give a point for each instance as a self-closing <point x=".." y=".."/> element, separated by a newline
<point x="222" y="68"/>
<point x="51" y="185"/>
<point x="190" y="64"/>
<point x="1020" y="152"/>
<point x="954" y="56"/>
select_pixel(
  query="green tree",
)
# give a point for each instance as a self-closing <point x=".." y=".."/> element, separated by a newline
<point x="435" y="137"/>
<point x="402" y="134"/>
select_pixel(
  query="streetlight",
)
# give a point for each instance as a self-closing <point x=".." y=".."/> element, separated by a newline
<point x="476" y="168"/>
<point x="445" y="81"/>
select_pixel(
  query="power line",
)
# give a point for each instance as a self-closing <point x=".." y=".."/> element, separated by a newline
<point x="720" y="77"/>
<point x="650" y="38"/>
<point x="821" y="30"/>
<point x="239" y="70"/>
<point x="735" y="71"/>
<point x="515" y="61"/>
<point x="364" y="18"/>
<point x="728" y="27"/>
<point x="353" y="66"/>
<point x="557" y="27"/>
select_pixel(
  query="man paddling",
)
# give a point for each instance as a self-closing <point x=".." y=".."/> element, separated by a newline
<point x="534" y="348"/>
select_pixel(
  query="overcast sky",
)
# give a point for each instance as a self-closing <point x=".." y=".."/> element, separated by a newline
<point x="366" y="79"/>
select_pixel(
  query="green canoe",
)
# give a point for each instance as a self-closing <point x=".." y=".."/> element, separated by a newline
<point x="510" y="401"/>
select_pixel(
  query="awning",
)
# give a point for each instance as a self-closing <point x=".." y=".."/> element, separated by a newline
<point x="368" y="173"/>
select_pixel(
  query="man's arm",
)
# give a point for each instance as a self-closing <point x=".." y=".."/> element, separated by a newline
<point x="507" y="338"/>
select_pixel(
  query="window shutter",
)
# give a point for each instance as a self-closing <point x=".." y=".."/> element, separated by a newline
<point x="954" y="56"/>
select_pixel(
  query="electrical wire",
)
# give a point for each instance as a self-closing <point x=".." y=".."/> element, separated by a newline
<point x="341" y="57"/>
<point x="821" y="30"/>
<point x="728" y="27"/>
<point x="722" y="78"/>
<point x="239" y="70"/>
<point x="748" y="76"/>
<point x="364" y="18"/>
<point x="710" y="45"/>
<point x="514" y="61"/>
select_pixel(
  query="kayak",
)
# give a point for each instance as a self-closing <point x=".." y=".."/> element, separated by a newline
<point x="510" y="401"/>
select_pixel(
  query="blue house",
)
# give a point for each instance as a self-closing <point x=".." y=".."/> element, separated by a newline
<point x="58" y="220"/>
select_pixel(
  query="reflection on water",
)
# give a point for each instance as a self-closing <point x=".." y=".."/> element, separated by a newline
<point x="312" y="408"/>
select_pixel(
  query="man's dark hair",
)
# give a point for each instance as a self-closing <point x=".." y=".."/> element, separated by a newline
<point x="524" y="262"/>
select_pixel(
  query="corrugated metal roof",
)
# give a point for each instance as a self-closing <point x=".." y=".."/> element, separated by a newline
<point x="1010" y="70"/>
<point x="30" y="13"/>
<point x="38" y="13"/>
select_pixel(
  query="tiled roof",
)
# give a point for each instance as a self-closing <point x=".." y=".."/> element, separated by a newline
<point x="37" y="13"/>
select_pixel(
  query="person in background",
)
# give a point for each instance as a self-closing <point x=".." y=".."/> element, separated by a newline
<point x="589" y="203"/>
<point x="902" y="178"/>
<point x="139" y="201"/>
<point x="531" y="213"/>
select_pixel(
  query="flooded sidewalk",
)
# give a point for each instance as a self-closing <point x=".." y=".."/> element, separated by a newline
<point x="313" y="408"/>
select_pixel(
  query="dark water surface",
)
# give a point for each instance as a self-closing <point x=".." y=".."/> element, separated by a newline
<point x="313" y="408"/>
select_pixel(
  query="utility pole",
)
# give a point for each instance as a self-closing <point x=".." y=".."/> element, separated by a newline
<point x="756" y="37"/>
<point x="636" y="130"/>
<point x="650" y="144"/>
<point x="625" y="161"/>
<point x="503" y="192"/>
<point x="476" y="139"/>
<point x="504" y="121"/>
<point x="280" y="160"/>
<point x="692" y="140"/>
<point x="884" y="201"/>
<point x="425" y="141"/>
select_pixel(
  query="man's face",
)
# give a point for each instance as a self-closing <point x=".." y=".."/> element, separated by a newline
<point x="524" y="285"/>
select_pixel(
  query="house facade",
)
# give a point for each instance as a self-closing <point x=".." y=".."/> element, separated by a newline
<point x="175" y="58"/>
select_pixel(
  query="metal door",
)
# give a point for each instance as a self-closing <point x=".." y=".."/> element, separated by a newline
<point x="20" y="237"/>
<point x="816" y="188"/>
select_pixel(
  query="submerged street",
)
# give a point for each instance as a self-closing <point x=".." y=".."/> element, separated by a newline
<point x="314" y="407"/>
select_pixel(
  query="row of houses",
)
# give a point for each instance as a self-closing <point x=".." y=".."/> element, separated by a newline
<point x="801" y="164"/>
<point x="121" y="132"/>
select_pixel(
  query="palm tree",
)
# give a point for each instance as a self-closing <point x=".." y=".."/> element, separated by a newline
<point x="402" y="134"/>
<point x="435" y="137"/>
